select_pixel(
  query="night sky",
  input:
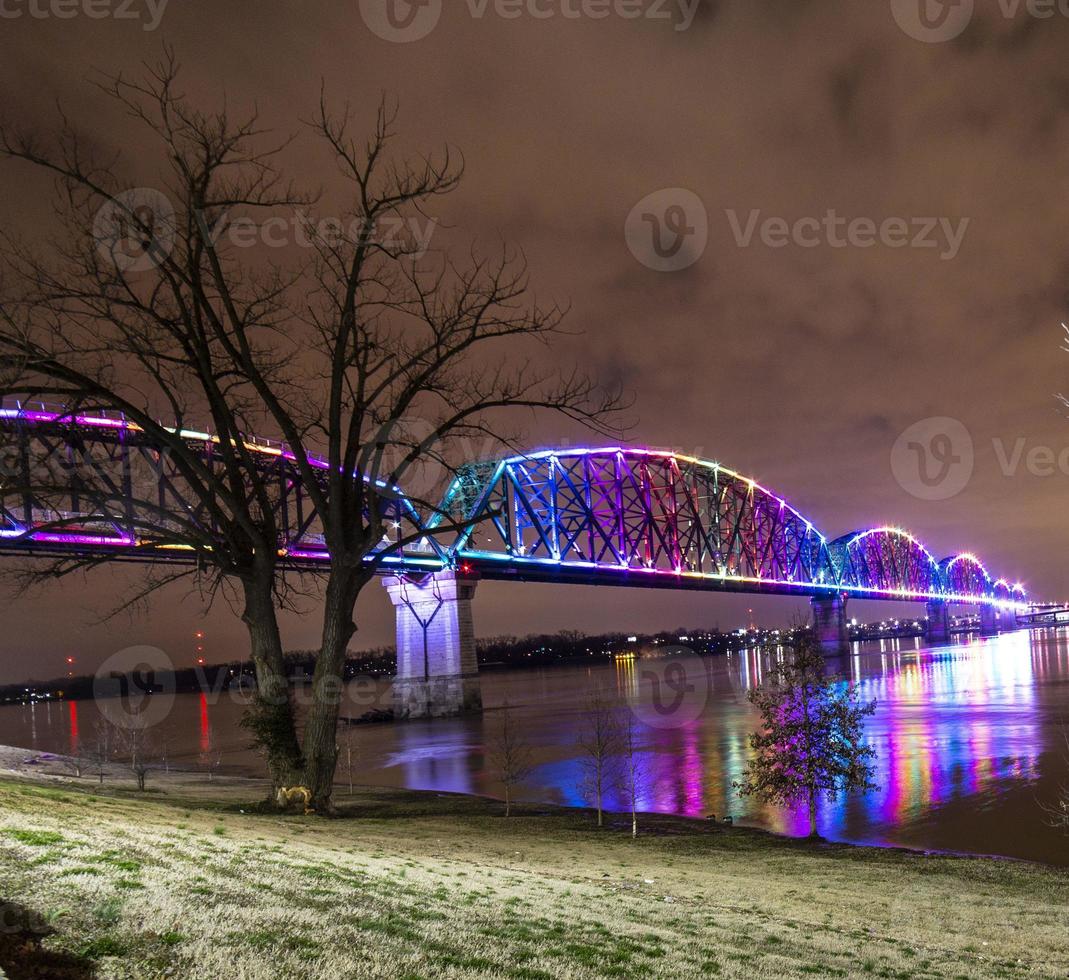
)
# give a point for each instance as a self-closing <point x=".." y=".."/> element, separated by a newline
<point x="800" y="365"/>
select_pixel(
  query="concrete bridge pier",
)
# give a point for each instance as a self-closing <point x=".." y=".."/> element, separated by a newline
<point x="437" y="672"/>
<point x="829" y="625"/>
<point x="938" y="622"/>
<point x="988" y="620"/>
<point x="1007" y="620"/>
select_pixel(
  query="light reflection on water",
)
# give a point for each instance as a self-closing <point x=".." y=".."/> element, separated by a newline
<point x="968" y="739"/>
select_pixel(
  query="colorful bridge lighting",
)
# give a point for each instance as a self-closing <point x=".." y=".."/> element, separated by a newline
<point x="608" y="516"/>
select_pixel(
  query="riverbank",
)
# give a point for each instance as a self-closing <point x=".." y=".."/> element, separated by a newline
<point x="181" y="882"/>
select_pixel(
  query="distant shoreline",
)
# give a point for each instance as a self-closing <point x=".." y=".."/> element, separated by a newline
<point x="564" y="649"/>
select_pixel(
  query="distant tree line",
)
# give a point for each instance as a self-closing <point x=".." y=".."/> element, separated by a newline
<point x="536" y="650"/>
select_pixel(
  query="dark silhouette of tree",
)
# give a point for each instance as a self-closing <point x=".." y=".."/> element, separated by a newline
<point x="211" y="756"/>
<point x="98" y="328"/>
<point x="101" y="749"/>
<point x="347" y="741"/>
<point x="511" y="756"/>
<point x="633" y="767"/>
<point x="374" y="365"/>
<point x="601" y="741"/>
<point x="811" y="742"/>
<point x="138" y="748"/>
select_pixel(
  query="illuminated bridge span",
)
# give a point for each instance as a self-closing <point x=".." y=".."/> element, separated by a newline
<point x="95" y="486"/>
<point x="646" y="518"/>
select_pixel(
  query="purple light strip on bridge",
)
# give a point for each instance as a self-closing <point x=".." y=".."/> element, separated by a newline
<point x="59" y="537"/>
<point x="858" y="592"/>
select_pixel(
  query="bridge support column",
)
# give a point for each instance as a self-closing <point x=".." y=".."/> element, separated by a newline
<point x="1007" y="620"/>
<point x="988" y="620"/>
<point x="938" y="622"/>
<point x="437" y="673"/>
<point x="829" y="625"/>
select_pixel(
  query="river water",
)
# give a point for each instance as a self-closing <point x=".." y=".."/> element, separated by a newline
<point x="970" y="739"/>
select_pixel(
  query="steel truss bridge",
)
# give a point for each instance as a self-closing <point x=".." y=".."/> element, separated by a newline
<point x="94" y="486"/>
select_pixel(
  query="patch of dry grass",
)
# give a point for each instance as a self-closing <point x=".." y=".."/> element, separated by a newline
<point x="180" y="883"/>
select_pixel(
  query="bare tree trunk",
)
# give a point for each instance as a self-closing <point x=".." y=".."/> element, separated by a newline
<point x="600" y="739"/>
<point x="510" y="754"/>
<point x="271" y="717"/>
<point x="812" y="814"/>
<point x="320" y="732"/>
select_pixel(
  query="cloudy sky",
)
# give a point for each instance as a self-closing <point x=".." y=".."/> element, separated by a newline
<point x="873" y="213"/>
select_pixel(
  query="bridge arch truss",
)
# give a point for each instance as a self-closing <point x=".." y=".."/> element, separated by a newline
<point x="635" y="516"/>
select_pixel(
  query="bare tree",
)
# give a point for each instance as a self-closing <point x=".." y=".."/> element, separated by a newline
<point x="373" y="367"/>
<point x="633" y="767"/>
<point x="137" y="748"/>
<point x="79" y="761"/>
<point x="211" y="758"/>
<point x="601" y="742"/>
<point x="511" y="756"/>
<point x="76" y="764"/>
<point x="347" y="740"/>
<point x="413" y="366"/>
<point x="165" y="743"/>
<point x="86" y="326"/>
<point x="101" y="748"/>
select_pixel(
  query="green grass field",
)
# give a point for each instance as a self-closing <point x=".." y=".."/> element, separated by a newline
<point x="179" y="883"/>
